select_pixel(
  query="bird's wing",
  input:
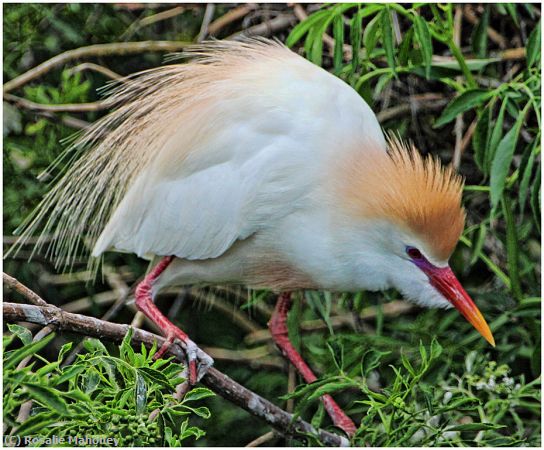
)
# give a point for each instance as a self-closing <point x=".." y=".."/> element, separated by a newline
<point x="200" y="154"/>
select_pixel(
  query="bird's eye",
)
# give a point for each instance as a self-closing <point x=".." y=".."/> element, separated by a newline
<point x="413" y="253"/>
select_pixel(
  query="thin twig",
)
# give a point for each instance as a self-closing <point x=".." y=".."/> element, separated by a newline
<point x="67" y="107"/>
<point x="232" y="16"/>
<point x="29" y="294"/>
<point x="430" y="102"/>
<point x="150" y="20"/>
<point x="214" y="379"/>
<point x="266" y="28"/>
<point x="114" y="48"/>
<point x="459" y="122"/>
<point x="208" y="16"/>
<point x="262" y="439"/>
<point x="96" y="68"/>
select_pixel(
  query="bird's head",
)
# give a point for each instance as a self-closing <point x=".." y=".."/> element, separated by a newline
<point x="409" y="208"/>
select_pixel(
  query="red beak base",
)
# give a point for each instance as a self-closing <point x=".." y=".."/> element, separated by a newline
<point x="443" y="280"/>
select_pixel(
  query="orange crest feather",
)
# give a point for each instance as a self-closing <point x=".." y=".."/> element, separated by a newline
<point x="415" y="192"/>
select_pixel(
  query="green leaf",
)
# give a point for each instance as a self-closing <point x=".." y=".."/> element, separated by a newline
<point x="475" y="427"/>
<point x="480" y="138"/>
<point x="387" y="36"/>
<point x="355" y="37"/>
<point x="48" y="397"/>
<point x="68" y="373"/>
<point x="330" y="387"/>
<point x="479" y="36"/>
<point x="407" y="365"/>
<point x="155" y="376"/>
<point x="371" y="33"/>
<point x="198" y="394"/>
<point x="36" y="423"/>
<point x="525" y="178"/>
<point x="467" y="100"/>
<point x="495" y="137"/>
<point x="535" y="200"/>
<point x="338" y="33"/>
<point x="423" y="35"/>
<point x="22" y="333"/>
<point x="479" y="244"/>
<point x="371" y="360"/>
<point x="533" y="47"/>
<point x="511" y="8"/>
<point x="140" y="394"/>
<point x="18" y="355"/>
<point x="303" y="27"/>
<point x="503" y="159"/>
<point x="436" y="349"/>
<point x="64" y="349"/>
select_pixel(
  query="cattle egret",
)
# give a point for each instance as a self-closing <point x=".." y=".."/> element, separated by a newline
<point x="250" y="165"/>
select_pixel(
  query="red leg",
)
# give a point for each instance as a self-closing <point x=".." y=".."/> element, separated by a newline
<point x="144" y="302"/>
<point x="278" y="329"/>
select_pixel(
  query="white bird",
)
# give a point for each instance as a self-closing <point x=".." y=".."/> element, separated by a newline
<point x="250" y="165"/>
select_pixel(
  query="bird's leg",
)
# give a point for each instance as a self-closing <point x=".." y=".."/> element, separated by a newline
<point x="278" y="329"/>
<point x="144" y="302"/>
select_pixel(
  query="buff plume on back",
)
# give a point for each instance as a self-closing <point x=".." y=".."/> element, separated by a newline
<point x="151" y="109"/>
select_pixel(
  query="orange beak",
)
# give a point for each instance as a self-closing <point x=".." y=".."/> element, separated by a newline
<point x="447" y="284"/>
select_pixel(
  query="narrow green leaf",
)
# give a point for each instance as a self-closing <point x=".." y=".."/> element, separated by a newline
<point x="467" y="100"/>
<point x="371" y="33"/>
<point x="475" y="427"/>
<point x="525" y="178"/>
<point x="480" y="138"/>
<point x="495" y="138"/>
<point x="36" y="423"/>
<point x="512" y="251"/>
<point x="479" y="36"/>
<point x="511" y="8"/>
<point x="479" y="244"/>
<point x="303" y="27"/>
<point x="371" y="360"/>
<point x="407" y="365"/>
<point x="436" y="349"/>
<point x="387" y="36"/>
<point x="424" y="39"/>
<point x="18" y="355"/>
<point x="533" y="46"/>
<point x="355" y="37"/>
<point x="406" y="47"/>
<point x="68" y="373"/>
<point x="502" y="160"/>
<point x="48" y="397"/>
<point x="330" y="388"/>
<point x="535" y="200"/>
<point x="338" y="33"/>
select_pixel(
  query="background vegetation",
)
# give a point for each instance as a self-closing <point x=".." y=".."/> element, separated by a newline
<point x="461" y="81"/>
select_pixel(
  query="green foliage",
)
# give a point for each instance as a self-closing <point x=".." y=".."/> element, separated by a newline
<point x="126" y="398"/>
<point x="474" y="408"/>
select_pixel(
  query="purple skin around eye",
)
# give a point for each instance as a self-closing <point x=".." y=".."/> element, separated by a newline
<point x="420" y="261"/>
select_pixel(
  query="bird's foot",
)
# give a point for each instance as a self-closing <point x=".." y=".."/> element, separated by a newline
<point x="198" y="362"/>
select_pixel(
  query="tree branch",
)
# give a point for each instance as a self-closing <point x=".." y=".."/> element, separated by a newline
<point x="115" y="48"/>
<point x="214" y="379"/>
